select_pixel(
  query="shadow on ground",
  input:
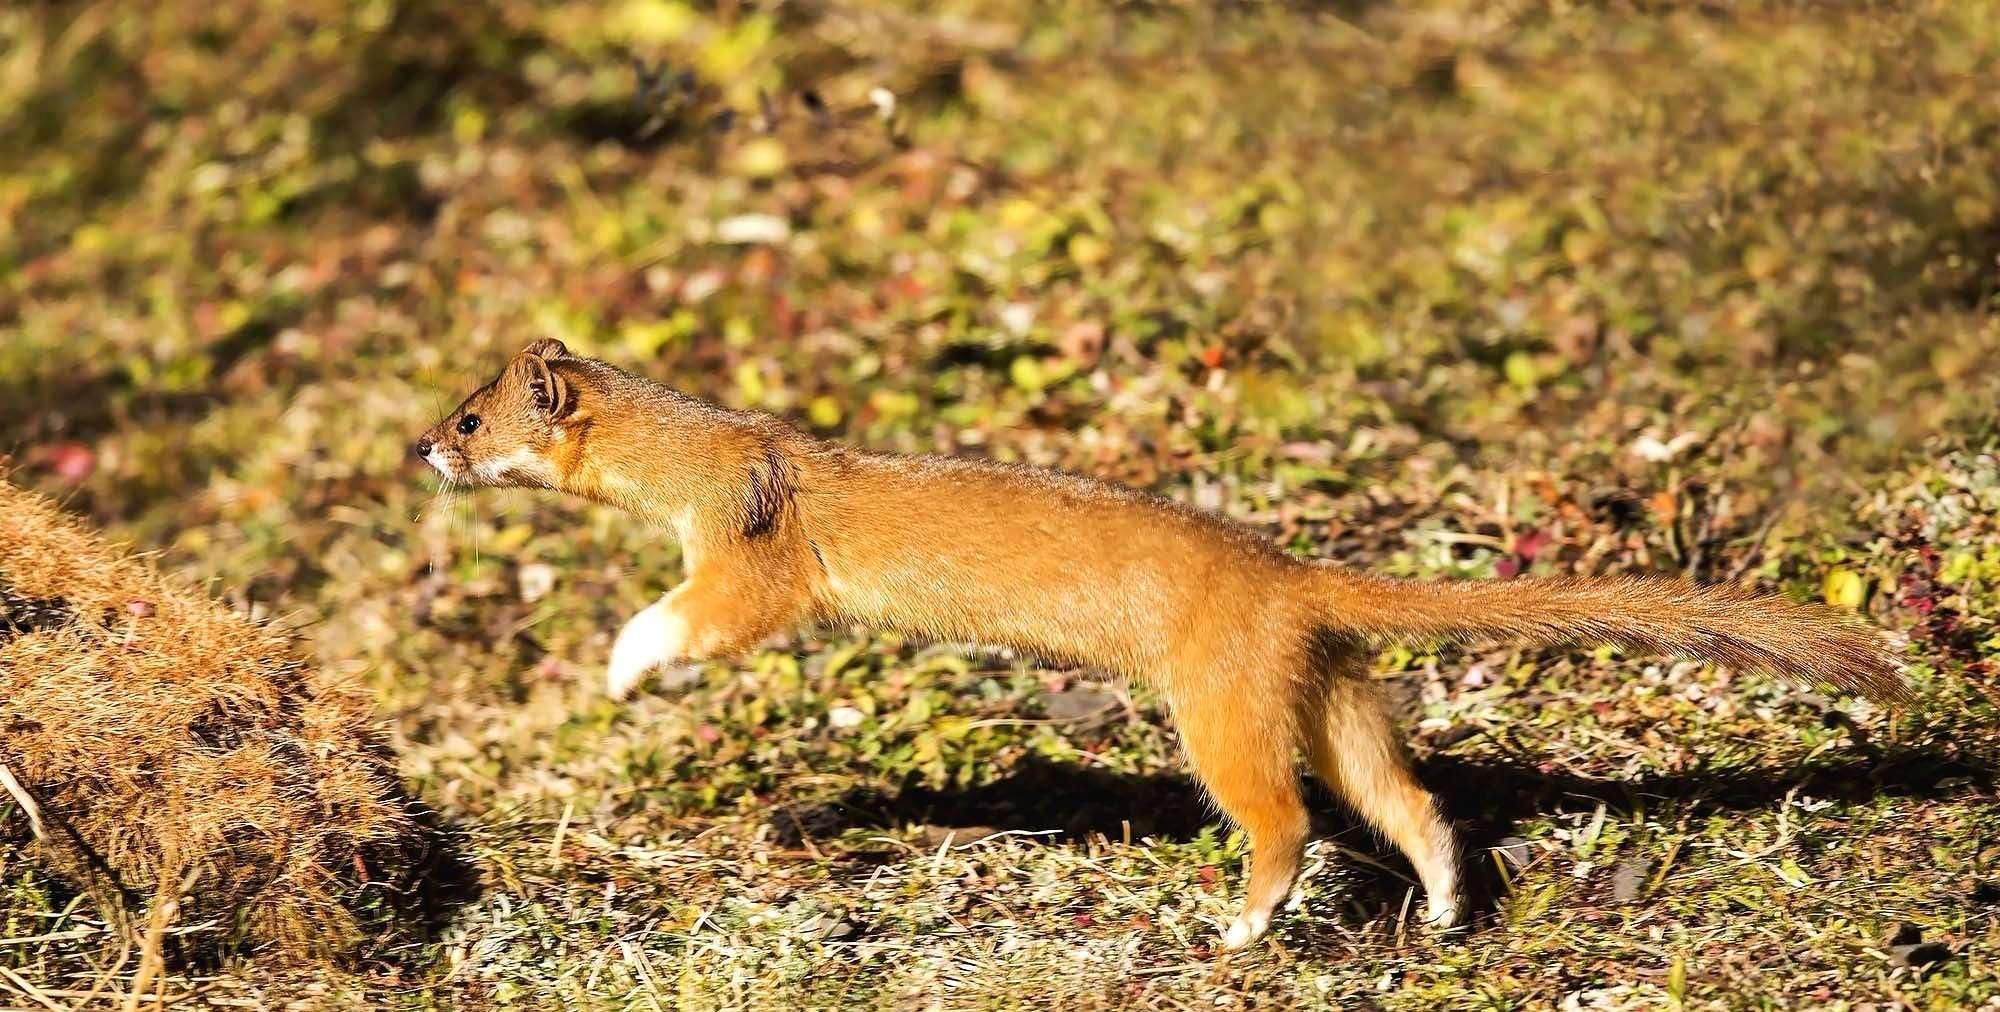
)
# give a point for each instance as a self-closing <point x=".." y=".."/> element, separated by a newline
<point x="1486" y="797"/>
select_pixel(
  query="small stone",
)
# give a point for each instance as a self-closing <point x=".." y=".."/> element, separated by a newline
<point x="1513" y="850"/>
<point x="883" y="100"/>
<point x="752" y="229"/>
<point x="1017" y="317"/>
<point x="1077" y="704"/>
<point x="1455" y="734"/>
<point x="675" y="677"/>
<point x="1986" y="893"/>
<point x="536" y="579"/>
<point x="1919" y="955"/>
<point x="1628" y="880"/>
<point x="792" y="825"/>
<point x="1902" y="933"/>
<point x="936" y="836"/>
<point x="1906" y="947"/>
<point x="844" y="718"/>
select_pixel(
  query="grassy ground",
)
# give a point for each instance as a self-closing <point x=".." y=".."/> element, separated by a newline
<point x="1448" y="288"/>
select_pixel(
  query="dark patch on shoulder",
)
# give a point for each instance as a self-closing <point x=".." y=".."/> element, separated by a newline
<point x="770" y="492"/>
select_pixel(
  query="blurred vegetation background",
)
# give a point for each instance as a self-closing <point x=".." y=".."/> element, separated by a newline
<point x="1444" y="288"/>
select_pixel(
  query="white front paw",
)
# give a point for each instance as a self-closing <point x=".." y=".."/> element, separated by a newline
<point x="653" y="637"/>
<point x="621" y="679"/>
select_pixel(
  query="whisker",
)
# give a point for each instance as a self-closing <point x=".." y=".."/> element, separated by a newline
<point x="430" y="379"/>
<point x="447" y="493"/>
<point x="472" y="520"/>
<point x="424" y="516"/>
<point x="463" y="525"/>
<point x="429" y="507"/>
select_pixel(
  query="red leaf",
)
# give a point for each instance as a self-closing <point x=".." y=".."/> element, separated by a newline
<point x="1530" y="544"/>
<point x="72" y="461"/>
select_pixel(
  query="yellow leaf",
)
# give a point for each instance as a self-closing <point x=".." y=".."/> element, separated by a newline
<point x="761" y="158"/>
<point x="468" y="125"/>
<point x="1844" y="588"/>
<point x="1522" y="370"/>
<point x="892" y="406"/>
<point x="1087" y="249"/>
<point x="653" y="21"/>
<point x="824" y="411"/>
<point x="1763" y="261"/>
<point x="750" y="380"/>
<point x="1793" y="875"/>
<point x="837" y="661"/>
<point x="1019" y="213"/>
<point x="1027" y="374"/>
<point x="511" y="537"/>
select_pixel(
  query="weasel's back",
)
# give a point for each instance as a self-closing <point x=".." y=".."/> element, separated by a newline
<point x="1037" y="559"/>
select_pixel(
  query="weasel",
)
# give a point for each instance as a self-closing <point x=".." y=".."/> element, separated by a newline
<point x="1259" y="654"/>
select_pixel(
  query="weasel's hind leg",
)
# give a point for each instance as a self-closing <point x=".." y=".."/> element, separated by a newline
<point x="1242" y="742"/>
<point x="1355" y="750"/>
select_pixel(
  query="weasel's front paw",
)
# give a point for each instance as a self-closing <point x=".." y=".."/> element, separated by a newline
<point x="620" y="684"/>
<point x="620" y="681"/>
<point x="653" y="637"/>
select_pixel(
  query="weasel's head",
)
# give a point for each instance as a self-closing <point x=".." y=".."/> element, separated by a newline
<point x="507" y="433"/>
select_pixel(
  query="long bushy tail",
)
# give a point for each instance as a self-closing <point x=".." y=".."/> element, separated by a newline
<point x="1722" y="624"/>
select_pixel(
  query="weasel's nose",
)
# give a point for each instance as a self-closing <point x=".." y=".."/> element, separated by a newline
<point x="423" y="447"/>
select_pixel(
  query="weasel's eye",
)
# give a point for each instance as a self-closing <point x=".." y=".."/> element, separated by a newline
<point x="468" y="425"/>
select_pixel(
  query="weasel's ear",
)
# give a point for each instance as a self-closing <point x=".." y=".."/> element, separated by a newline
<point x="546" y="387"/>
<point x="546" y="348"/>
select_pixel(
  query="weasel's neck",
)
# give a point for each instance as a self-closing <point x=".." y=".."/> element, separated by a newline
<point x="657" y="454"/>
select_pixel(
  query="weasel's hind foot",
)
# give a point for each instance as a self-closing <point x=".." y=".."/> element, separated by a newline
<point x="1443" y="915"/>
<point x="1246" y="929"/>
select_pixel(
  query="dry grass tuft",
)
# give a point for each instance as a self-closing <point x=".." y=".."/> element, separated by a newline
<point x="175" y="753"/>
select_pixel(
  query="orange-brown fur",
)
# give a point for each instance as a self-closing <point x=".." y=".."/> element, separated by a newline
<point x="1259" y="654"/>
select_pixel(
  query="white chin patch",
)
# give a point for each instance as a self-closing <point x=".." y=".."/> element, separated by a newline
<point x="437" y="463"/>
<point x="515" y="461"/>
